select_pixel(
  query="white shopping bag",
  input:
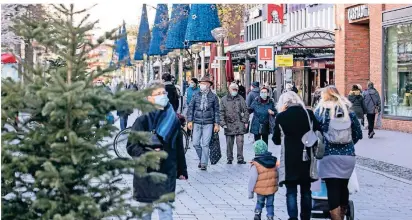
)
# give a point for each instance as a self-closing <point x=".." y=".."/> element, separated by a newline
<point x="353" y="184"/>
<point x="379" y="121"/>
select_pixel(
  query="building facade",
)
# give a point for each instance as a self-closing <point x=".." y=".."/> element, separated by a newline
<point x="375" y="44"/>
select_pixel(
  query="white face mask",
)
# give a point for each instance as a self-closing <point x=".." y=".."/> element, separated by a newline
<point x="203" y="87"/>
<point x="161" y="100"/>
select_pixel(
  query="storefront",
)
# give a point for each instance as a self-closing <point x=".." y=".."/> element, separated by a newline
<point x="375" y="44"/>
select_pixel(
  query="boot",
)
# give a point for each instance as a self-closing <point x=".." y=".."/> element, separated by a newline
<point x="257" y="215"/>
<point x="335" y="214"/>
<point x="343" y="210"/>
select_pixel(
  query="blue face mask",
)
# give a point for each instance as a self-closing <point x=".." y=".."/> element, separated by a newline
<point x="264" y="96"/>
<point x="233" y="93"/>
<point x="161" y="100"/>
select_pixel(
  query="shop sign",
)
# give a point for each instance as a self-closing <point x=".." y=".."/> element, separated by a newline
<point x="265" y="58"/>
<point x="221" y="58"/>
<point x="358" y="12"/>
<point x="275" y="14"/>
<point x="284" y="60"/>
<point x="255" y="13"/>
<point x="215" y="65"/>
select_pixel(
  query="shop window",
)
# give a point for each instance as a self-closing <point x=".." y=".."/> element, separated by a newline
<point x="398" y="70"/>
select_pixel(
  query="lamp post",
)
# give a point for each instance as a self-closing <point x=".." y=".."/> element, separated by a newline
<point x="220" y="34"/>
<point x="172" y="57"/>
<point x="195" y="48"/>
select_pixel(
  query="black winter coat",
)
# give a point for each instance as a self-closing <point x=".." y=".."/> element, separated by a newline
<point x="144" y="189"/>
<point x="172" y="95"/>
<point x="209" y="116"/>
<point x="294" y="124"/>
<point x="358" y="105"/>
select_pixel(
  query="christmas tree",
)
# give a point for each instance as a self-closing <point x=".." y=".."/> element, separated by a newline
<point x="58" y="165"/>
<point x="159" y="32"/>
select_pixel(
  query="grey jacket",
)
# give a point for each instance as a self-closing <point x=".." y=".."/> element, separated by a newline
<point x="234" y="115"/>
<point x="255" y="92"/>
<point x="371" y="99"/>
<point x="204" y="117"/>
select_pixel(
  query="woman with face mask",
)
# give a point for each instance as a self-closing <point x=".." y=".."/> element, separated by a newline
<point x="164" y="123"/>
<point x="264" y="111"/>
<point x="192" y="90"/>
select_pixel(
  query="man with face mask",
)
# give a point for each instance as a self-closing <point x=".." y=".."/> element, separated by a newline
<point x="164" y="123"/>
<point x="253" y="94"/>
<point x="234" y="118"/>
<point x="203" y="118"/>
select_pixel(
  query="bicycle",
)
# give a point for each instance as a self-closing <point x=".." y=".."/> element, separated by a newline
<point x="120" y="143"/>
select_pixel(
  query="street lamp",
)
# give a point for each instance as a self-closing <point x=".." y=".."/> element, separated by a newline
<point x="195" y="48"/>
<point x="220" y="34"/>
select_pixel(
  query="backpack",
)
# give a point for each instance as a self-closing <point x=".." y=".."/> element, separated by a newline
<point x="339" y="131"/>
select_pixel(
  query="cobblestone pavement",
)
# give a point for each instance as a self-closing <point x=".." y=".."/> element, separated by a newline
<point x="221" y="192"/>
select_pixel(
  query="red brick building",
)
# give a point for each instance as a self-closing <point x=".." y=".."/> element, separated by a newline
<point x="374" y="42"/>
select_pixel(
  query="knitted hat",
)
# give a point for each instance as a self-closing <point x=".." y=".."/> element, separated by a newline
<point x="234" y="86"/>
<point x="255" y="84"/>
<point x="260" y="147"/>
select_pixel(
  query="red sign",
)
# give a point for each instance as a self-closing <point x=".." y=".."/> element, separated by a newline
<point x="275" y="13"/>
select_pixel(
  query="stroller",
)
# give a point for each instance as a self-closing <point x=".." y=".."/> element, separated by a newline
<point x="320" y="207"/>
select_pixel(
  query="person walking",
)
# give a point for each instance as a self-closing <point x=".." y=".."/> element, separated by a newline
<point x="253" y="94"/>
<point x="242" y="89"/>
<point x="341" y="130"/>
<point x="358" y="105"/>
<point x="203" y="117"/>
<point x="192" y="90"/>
<point x="263" y="180"/>
<point x="165" y="125"/>
<point x="234" y="118"/>
<point x="372" y="102"/>
<point x="171" y="90"/>
<point x="263" y="109"/>
<point x="316" y="97"/>
<point x="292" y="122"/>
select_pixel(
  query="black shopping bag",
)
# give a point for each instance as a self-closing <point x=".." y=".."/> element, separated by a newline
<point x="215" y="154"/>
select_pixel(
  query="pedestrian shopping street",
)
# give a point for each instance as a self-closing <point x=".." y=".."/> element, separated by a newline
<point x="221" y="191"/>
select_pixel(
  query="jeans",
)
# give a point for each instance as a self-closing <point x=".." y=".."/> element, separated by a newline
<point x="305" y="201"/>
<point x="123" y="121"/>
<point x="164" y="210"/>
<point x="338" y="193"/>
<point x="264" y="137"/>
<point x="202" y="135"/>
<point x="230" y="141"/>
<point x="260" y="203"/>
<point x="371" y="122"/>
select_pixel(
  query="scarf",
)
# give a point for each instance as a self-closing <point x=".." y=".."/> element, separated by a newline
<point x="168" y="125"/>
<point x="203" y="101"/>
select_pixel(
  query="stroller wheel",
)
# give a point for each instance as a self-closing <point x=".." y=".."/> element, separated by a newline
<point x="350" y="213"/>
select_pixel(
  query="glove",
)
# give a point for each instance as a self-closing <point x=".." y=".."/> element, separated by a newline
<point x="216" y="128"/>
<point x="250" y="195"/>
<point x="190" y="125"/>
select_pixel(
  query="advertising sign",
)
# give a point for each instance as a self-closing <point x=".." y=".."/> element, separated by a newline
<point x="275" y="14"/>
<point x="265" y="58"/>
<point x="284" y="60"/>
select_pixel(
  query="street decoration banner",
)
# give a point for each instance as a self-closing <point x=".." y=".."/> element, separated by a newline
<point x="275" y="13"/>
<point x="265" y="58"/>
<point x="284" y="60"/>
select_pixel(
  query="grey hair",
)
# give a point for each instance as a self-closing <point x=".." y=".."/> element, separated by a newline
<point x="289" y="97"/>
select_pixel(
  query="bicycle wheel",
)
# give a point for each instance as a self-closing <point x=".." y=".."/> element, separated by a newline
<point x="185" y="140"/>
<point x="120" y="143"/>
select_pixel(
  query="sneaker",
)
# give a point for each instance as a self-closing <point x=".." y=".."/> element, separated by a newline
<point x="229" y="162"/>
<point x="198" y="166"/>
<point x="203" y="168"/>
<point x="371" y="134"/>
<point x="270" y="217"/>
<point x="257" y="215"/>
<point x="241" y="162"/>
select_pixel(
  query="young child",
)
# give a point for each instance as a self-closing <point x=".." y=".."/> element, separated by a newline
<point x="263" y="179"/>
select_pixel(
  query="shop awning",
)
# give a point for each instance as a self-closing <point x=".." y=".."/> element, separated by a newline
<point x="308" y="37"/>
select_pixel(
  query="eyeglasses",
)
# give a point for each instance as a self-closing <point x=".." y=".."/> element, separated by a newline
<point x="160" y="93"/>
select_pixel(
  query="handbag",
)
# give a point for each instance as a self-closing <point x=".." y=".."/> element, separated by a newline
<point x="313" y="171"/>
<point x="308" y="139"/>
<point x="319" y="148"/>
<point x="376" y="107"/>
<point x="215" y="153"/>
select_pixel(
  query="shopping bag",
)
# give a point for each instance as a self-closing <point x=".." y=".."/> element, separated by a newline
<point x="353" y="184"/>
<point x="215" y="153"/>
<point x="379" y="121"/>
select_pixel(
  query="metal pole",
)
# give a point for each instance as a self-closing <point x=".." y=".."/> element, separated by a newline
<point x="202" y="60"/>
<point x="248" y="80"/>
<point x="223" y="82"/>
<point x="181" y="69"/>
<point x="195" y="67"/>
<point x="161" y="67"/>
